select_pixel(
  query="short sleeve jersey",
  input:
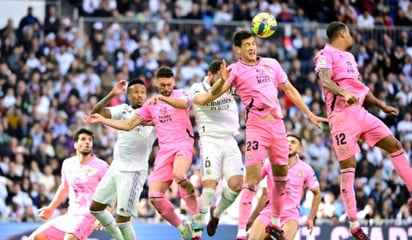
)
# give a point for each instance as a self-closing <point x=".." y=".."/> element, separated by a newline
<point x="82" y="181"/>
<point x="132" y="149"/>
<point x="218" y="118"/>
<point x="257" y="86"/>
<point x="173" y="125"/>
<point x="344" y="73"/>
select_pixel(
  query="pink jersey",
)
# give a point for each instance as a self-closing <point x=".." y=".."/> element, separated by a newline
<point x="173" y="125"/>
<point x="344" y="73"/>
<point x="82" y="181"/>
<point x="257" y="85"/>
<point x="300" y="175"/>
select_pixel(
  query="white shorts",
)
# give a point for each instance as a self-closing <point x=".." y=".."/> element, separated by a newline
<point x="125" y="187"/>
<point x="220" y="157"/>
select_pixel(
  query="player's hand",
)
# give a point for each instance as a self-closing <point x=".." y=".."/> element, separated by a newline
<point x="45" y="212"/>
<point x="224" y="71"/>
<point x="120" y="87"/>
<point x="97" y="225"/>
<point x="309" y="225"/>
<point x="390" y="110"/>
<point x="94" y="118"/>
<point x="154" y="100"/>
<point x="318" y="121"/>
<point x="350" y="99"/>
<point x="249" y="224"/>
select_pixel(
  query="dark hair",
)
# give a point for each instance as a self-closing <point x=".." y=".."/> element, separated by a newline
<point x="295" y="136"/>
<point x="333" y="30"/>
<point x="214" y="66"/>
<point x="82" y="131"/>
<point x="240" y="36"/>
<point x="164" y="72"/>
<point x="135" y="81"/>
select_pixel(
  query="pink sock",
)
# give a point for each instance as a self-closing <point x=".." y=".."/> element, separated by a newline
<point x="402" y="167"/>
<point x="246" y="197"/>
<point x="190" y="198"/>
<point x="278" y="195"/>
<point x="165" y="208"/>
<point x="347" y="177"/>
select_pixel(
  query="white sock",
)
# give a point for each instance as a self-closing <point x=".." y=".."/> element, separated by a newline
<point x="228" y="197"/>
<point x="108" y="222"/>
<point x="127" y="230"/>
<point x="206" y="201"/>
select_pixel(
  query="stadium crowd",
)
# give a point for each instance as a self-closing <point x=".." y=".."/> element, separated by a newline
<point x="50" y="78"/>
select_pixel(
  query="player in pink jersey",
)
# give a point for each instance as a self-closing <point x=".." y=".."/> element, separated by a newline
<point x="169" y="113"/>
<point x="349" y="121"/>
<point x="80" y="176"/>
<point x="257" y="80"/>
<point x="300" y="176"/>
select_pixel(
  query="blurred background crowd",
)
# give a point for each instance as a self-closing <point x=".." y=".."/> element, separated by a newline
<point x="52" y="72"/>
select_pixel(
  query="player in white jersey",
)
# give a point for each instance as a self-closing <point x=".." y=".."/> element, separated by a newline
<point x="128" y="171"/>
<point x="218" y="123"/>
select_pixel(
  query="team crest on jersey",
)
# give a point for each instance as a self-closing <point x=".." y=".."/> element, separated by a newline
<point x="89" y="172"/>
<point x="208" y="171"/>
<point x="322" y="61"/>
<point x="300" y="173"/>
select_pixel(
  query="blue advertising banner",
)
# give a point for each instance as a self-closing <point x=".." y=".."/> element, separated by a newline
<point x="20" y="231"/>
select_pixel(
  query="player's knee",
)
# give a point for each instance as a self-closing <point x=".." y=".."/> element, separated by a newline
<point x="37" y="236"/>
<point x="236" y="187"/>
<point x="70" y="236"/>
<point x="178" y="176"/>
<point x="187" y="186"/>
<point x="249" y="187"/>
<point x="155" y="197"/>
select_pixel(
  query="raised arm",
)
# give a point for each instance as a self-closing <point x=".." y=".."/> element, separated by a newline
<point x="296" y="98"/>
<point x="100" y="107"/>
<point x="125" y="125"/>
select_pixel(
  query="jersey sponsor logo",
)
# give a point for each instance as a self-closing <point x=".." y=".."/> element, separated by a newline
<point x="164" y="116"/>
<point x="322" y="61"/>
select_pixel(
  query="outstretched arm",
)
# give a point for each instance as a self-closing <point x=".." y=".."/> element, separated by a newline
<point x="125" y="125"/>
<point x="371" y="99"/>
<point x="174" y="102"/>
<point x="296" y="98"/>
<point x="61" y="194"/>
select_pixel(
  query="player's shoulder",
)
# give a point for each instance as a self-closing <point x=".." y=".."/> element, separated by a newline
<point x="100" y="162"/>
<point x="305" y="166"/>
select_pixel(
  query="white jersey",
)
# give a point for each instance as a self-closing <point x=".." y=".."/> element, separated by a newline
<point x="132" y="149"/>
<point x="219" y="118"/>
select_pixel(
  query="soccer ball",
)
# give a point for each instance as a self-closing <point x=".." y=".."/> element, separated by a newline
<point x="264" y="25"/>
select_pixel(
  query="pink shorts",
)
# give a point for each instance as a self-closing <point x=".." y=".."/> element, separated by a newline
<point x="347" y="127"/>
<point x="81" y="225"/>
<point x="164" y="162"/>
<point x="266" y="138"/>
<point x="287" y="215"/>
